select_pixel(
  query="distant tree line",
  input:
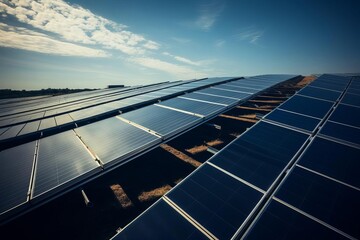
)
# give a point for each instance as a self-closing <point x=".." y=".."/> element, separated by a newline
<point x="9" y="93"/>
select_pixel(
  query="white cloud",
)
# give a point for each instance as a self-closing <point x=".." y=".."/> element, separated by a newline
<point x="176" y="70"/>
<point x="250" y="34"/>
<point x="22" y="38"/>
<point x="209" y="14"/>
<point x="72" y="23"/>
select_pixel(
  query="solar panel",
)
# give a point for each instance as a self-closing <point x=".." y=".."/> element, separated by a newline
<point x="47" y="123"/>
<point x="30" y="127"/>
<point x="162" y="222"/>
<point x="11" y="132"/>
<point x="217" y="201"/>
<point x="341" y="132"/>
<point x="281" y="222"/>
<point x="322" y="198"/>
<point x="197" y="107"/>
<point x="333" y="159"/>
<point x="112" y="140"/>
<point x="347" y="115"/>
<point x="225" y="93"/>
<point x="293" y="120"/>
<point x="300" y="104"/>
<point x="261" y="153"/>
<point x="161" y="120"/>
<point x="351" y="99"/>
<point x="320" y="93"/>
<point x="61" y="158"/>
<point x="17" y="161"/>
<point x="208" y="98"/>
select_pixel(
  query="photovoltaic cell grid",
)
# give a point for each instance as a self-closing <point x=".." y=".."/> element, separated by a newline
<point x="53" y="164"/>
<point x="317" y="199"/>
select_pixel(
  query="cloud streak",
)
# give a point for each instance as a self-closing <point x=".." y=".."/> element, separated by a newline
<point x="22" y="38"/>
<point x="209" y="14"/>
<point x="176" y="70"/>
<point x="250" y="34"/>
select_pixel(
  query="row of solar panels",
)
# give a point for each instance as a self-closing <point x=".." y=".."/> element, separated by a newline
<point x="34" y="171"/>
<point x="284" y="178"/>
<point x="128" y="99"/>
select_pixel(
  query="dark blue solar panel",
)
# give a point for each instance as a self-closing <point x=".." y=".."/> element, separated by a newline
<point x="160" y="222"/>
<point x="281" y="222"/>
<point x="294" y="120"/>
<point x="328" y="85"/>
<point x="260" y="154"/>
<point x="325" y="199"/>
<point x="346" y="114"/>
<point x="217" y="201"/>
<point x="342" y="132"/>
<point x="351" y="99"/>
<point x="302" y="105"/>
<point x="334" y="160"/>
<point x="320" y="93"/>
<point x="16" y="167"/>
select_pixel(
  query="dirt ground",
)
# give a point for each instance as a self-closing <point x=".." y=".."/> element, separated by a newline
<point x="121" y="195"/>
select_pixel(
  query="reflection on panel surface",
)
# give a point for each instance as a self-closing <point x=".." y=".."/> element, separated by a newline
<point x="61" y="158"/>
<point x="217" y="201"/>
<point x="113" y="139"/>
<point x="18" y="162"/>
<point x="259" y="155"/>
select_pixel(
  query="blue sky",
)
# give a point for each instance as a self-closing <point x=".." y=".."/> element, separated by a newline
<point x="85" y="43"/>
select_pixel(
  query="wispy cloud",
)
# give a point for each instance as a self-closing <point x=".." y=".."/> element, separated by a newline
<point x="181" y="40"/>
<point x="250" y="34"/>
<point x="76" y="25"/>
<point x="176" y="70"/>
<point x="209" y="14"/>
<point x="22" y="38"/>
<point x="220" y="43"/>
<point x="182" y="59"/>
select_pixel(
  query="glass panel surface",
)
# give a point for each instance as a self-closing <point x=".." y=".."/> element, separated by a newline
<point x="224" y="93"/>
<point x="334" y="160"/>
<point x="294" y="120"/>
<point x="113" y="139"/>
<point x="281" y="222"/>
<point x="351" y="99"/>
<point x="347" y="115"/>
<point x="215" y="99"/>
<point x="320" y="93"/>
<point x="301" y="105"/>
<point x="342" y="132"/>
<point x="161" y="120"/>
<point x="16" y="167"/>
<point x="201" y="108"/>
<point x="30" y="127"/>
<point x="217" y="201"/>
<point x="259" y="155"/>
<point x="61" y="158"/>
<point x="160" y="222"/>
<point x="325" y="199"/>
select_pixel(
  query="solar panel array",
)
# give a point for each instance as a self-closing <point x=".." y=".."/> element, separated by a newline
<point x="51" y="165"/>
<point x="31" y="118"/>
<point x="284" y="178"/>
